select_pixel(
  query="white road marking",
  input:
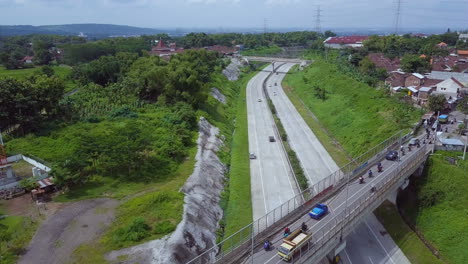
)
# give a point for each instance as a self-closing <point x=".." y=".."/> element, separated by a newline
<point x="372" y="262"/>
<point x="347" y="256"/>
<point x="378" y="240"/>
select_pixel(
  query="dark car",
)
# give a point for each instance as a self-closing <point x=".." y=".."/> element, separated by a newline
<point x="392" y="155"/>
<point x="413" y="142"/>
<point x="271" y="138"/>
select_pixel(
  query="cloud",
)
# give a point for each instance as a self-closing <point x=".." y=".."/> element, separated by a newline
<point x="212" y="1"/>
<point x="281" y="2"/>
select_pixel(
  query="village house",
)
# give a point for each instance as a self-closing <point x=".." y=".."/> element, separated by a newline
<point x="347" y="41"/>
<point x="414" y="79"/>
<point x="442" y="45"/>
<point x="28" y="59"/>
<point x="463" y="53"/>
<point x="463" y="37"/>
<point x="451" y="88"/>
<point x="381" y="61"/>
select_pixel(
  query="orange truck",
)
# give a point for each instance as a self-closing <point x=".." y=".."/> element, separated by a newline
<point x="290" y="243"/>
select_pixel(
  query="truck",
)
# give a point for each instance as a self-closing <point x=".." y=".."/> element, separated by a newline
<point x="295" y="240"/>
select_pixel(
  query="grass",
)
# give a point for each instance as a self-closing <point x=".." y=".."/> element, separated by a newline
<point x="61" y="71"/>
<point x="357" y="115"/>
<point x="22" y="169"/>
<point x="15" y="234"/>
<point x="238" y="212"/>
<point x="436" y="204"/>
<point x="404" y="237"/>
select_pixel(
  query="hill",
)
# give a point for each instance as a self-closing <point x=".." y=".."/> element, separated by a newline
<point x="91" y="30"/>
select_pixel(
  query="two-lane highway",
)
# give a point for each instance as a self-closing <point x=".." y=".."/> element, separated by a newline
<point x="315" y="160"/>
<point x="272" y="182"/>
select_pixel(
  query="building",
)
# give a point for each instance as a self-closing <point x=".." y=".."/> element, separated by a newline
<point x="414" y="79"/>
<point x="347" y="41"/>
<point x="396" y="80"/>
<point x="463" y="37"/>
<point x="440" y="75"/>
<point x="442" y="45"/>
<point x="451" y="88"/>
<point x="381" y="61"/>
<point x="463" y="53"/>
<point x="164" y="51"/>
<point x="28" y="59"/>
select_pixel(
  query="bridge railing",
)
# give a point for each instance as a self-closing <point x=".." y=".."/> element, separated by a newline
<point x="331" y="234"/>
<point x="292" y="209"/>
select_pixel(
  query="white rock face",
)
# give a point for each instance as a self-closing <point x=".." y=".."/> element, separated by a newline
<point x="232" y="71"/>
<point x="218" y="95"/>
<point x="197" y="230"/>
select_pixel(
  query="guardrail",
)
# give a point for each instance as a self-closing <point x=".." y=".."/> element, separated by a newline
<point x="236" y="246"/>
<point x="325" y="240"/>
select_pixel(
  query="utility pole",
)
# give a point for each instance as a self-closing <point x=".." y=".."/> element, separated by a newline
<point x="318" y="28"/>
<point x="397" y="17"/>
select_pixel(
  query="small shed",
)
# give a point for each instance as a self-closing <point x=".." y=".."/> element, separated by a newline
<point x="451" y="144"/>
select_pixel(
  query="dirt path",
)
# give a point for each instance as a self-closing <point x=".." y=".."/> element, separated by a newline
<point x="61" y="233"/>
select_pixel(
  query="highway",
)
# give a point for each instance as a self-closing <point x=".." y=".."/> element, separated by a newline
<point x="337" y="205"/>
<point x="272" y="182"/>
<point x="315" y="160"/>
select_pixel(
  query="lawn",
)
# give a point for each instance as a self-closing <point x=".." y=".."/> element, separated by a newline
<point x="61" y="71"/>
<point x="437" y="205"/>
<point x="239" y="209"/>
<point x="15" y="234"/>
<point x="356" y="115"/>
<point x="404" y="237"/>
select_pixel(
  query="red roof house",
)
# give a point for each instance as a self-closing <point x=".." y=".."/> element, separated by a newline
<point x="346" y="41"/>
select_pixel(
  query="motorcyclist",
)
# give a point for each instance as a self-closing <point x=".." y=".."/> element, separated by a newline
<point x="287" y="231"/>
<point x="370" y="173"/>
<point x="361" y="179"/>
<point x="379" y="167"/>
<point x="304" y="226"/>
<point x="409" y="148"/>
<point x="267" y="245"/>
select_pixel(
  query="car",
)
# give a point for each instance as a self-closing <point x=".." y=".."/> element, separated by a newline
<point x="252" y="156"/>
<point x="392" y="155"/>
<point x="318" y="211"/>
<point x="271" y="138"/>
<point x="413" y="142"/>
<point x="259" y="100"/>
<point x="274" y="93"/>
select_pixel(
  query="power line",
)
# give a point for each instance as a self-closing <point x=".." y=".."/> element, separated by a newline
<point x="318" y="28"/>
<point x="397" y="17"/>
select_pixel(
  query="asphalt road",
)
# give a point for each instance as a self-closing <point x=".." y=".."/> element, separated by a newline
<point x="315" y="160"/>
<point x="272" y="182"/>
<point x="336" y="205"/>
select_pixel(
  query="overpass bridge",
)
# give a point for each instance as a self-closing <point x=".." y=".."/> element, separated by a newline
<point x="348" y="201"/>
<point x="278" y="61"/>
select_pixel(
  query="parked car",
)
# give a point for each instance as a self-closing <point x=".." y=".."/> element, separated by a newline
<point x="252" y="156"/>
<point x="392" y="155"/>
<point x="318" y="211"/>
<point x="413" y="142"/>
<point x="271" y="138"/>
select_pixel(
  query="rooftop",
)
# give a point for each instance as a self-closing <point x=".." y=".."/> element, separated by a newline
<point x="346" y="40"/>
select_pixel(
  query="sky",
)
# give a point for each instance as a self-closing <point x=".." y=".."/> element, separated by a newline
<point x="220" y="14"/>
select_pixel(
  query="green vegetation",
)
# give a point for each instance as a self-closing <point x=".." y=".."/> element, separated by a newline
<point x="262" y="51"/>
<point x="357" y="115"/>
<point x="436" y="205"/>
<point x="15" y="234"/>
<point x="413" y="248"/>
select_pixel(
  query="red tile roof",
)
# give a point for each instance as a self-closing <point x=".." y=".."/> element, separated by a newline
<point x="381" y="61"/>
<point x="431" y="82"/>
<point x="462" y="52"/>
<point x="28" y="58"/>
<point x="396" y="79"/>
<point x="346" y="40"/>
<point x="457" y="82"/>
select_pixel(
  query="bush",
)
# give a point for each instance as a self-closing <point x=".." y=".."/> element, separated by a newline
<point x="135" y="232"/>
<point x="164" y="227"/>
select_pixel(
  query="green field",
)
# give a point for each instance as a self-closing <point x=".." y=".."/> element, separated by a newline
<point x="356" y="115"/>
<point x="61" y="71"/>
<point x="15" y="234"/>
<point x="437" y="205"/>
<point x="413" y="248"/>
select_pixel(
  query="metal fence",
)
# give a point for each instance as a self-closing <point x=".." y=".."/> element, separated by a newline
<point x="289" y="210"/>
<point x="331" y="234"/>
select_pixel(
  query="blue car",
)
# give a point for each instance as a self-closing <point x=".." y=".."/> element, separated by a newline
<point x="318" y="211"/>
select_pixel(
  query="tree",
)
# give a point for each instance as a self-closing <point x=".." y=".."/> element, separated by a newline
<point x="329" y="33"/>
<point x="437" y="102"/>
<point x="414" y="63"/>
<point x="463" y="105"/>
<point x="366" y="66"/>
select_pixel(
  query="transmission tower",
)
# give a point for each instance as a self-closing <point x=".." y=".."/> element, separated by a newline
<point x="318" y="28"/>
<point x="397" y="16"/>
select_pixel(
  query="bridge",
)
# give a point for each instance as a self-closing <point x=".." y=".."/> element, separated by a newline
<point x="276" y="59"/>
<point x="348" y="200"/>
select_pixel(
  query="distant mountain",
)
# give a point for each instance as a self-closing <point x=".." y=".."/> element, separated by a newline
<point x="90" y="30"/>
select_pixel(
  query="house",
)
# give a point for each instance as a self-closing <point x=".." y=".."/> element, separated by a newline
<point x="442" y="45"/>
<point x="451" y="88"/>
<point x="414" y="79"/>
<point x="346" y="41"/>
<point x="164" y="51"/>
<point x="28" y="59"/>
<point x="396" y="80"/>
<point x="443" y="63"/>
<point x="381" y="61"/>
<point x="223" y="50"/>
<point x="441" y="75"/>
<point x="463" y="37"/>
<point x="419" y="35"/>
<point x="463" y="53"/>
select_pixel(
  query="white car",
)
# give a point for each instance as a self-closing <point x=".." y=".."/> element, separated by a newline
<point x="252" y="156"/>
<point x="259" y="100"/>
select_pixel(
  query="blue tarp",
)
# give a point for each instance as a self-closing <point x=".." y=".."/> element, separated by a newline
<point x="443" y="116"/>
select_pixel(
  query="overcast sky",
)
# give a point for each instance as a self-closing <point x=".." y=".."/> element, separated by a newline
<point x="237" y="13"/>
